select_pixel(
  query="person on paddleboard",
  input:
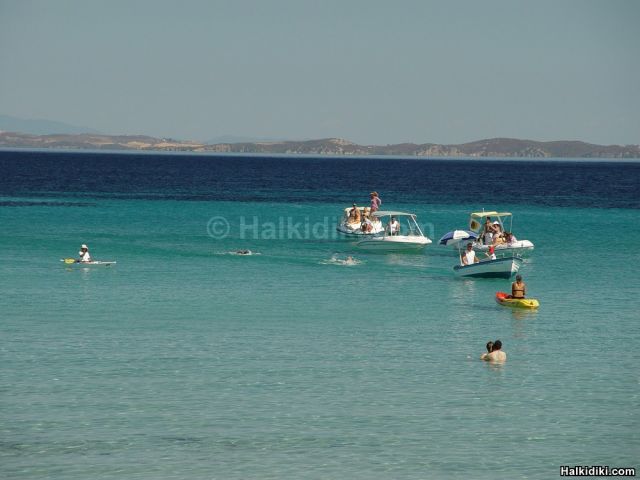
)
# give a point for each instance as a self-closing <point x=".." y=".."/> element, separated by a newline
<point x="84" y="254"/>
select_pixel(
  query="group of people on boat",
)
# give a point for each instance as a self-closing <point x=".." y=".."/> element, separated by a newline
<point x="368" y="222"/>
<point x="493" y="234"/>
<point x="364" y="216"/>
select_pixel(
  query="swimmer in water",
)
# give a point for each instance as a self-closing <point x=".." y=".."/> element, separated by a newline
<point x="489" y="350"/>
<point x="496" y="354"/>
<point x="347" y="261"/>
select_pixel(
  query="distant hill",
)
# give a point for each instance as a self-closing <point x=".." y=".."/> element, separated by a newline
<point x="495" y="147"/>
<point x="39" y="127"/>
<point x="238" y="139"/>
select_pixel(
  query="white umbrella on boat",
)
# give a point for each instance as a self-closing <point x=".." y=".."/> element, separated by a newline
<point x="451" y="238"/>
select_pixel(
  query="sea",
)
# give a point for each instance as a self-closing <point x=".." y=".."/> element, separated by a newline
<point x="185" y="360"/>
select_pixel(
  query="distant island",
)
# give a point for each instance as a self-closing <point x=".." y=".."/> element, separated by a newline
<point x="495" y="147"/>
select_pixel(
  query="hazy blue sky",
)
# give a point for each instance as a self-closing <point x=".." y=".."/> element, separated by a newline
<point x="369" y="71"/>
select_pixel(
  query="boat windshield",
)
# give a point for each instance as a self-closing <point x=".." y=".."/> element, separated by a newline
<point x="401" y="224"/>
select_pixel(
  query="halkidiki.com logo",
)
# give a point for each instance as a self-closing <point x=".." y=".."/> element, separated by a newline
<point x="254" y="227"/>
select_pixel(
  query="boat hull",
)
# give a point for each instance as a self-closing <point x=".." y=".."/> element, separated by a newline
<point x="399" y="243"/>
<point x="350" y="232"/>
<point x="521" y="247"/>
<point x="499" y="268"/>
<point x="521" y="303"/>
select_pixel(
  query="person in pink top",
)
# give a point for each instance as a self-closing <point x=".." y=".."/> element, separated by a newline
<point x="375" y="201"/>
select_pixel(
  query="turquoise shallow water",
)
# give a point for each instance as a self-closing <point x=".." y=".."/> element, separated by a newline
<point x="185" y="362"/>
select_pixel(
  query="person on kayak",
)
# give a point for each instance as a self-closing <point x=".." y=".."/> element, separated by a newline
<point x="84" y="254"/>
<point x="469" y="256"/>
<point x="518" y="288"/>
<point x="496" y="354"/>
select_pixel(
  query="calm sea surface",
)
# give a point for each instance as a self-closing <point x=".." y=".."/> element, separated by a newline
<point x="186" y="362"/>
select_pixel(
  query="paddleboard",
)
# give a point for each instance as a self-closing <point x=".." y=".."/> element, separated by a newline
<point x="73" y="261"/>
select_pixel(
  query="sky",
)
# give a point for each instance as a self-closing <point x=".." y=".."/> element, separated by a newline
<point x="369" y="71"/>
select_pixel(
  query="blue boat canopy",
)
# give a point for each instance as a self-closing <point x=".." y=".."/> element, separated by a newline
<point x="456" y="236"/>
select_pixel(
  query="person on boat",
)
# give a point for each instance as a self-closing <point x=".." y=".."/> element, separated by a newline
<point x="244" y="252"/>
<point x="498" y="239"/>
<point x="518" y="288"/>
<point x="468" y="257"/>
<point x="491" y="254"/>
<point x="84" y="254"/>
<point x="354" y="214"/>
<point x="488" y="231"/>
<point x="510" y="238"/>
<point x="366" y="225"/>
<point x="375" y="201"/>
<point x="394" y="226"/>
<point x="496" y="354"/>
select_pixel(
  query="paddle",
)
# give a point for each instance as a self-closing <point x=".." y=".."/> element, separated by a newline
<point x="68" y="260"/>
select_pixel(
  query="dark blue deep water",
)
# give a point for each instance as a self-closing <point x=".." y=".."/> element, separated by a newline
<point x="593" y="184"/>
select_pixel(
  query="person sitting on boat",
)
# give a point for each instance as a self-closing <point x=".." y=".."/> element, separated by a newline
<point x="375" y="201"/>
<point x="469" y="256"/>
<point x="491" y="254"/>
<point x="510" y="238"/>
<point x="518" y="288"/>
<point x="496" y="354"/>
<point x="498" y="239"/>
<point x="84" y="254"/>
<point x="366" y="225"/>
<point x="394" y="226"/>
<point x="354" y="214"/>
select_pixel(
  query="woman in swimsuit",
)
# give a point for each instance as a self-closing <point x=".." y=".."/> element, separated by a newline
<point x="518" y="288"/>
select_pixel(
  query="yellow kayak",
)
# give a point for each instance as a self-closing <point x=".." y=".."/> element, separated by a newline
<point x="530" y="303"/>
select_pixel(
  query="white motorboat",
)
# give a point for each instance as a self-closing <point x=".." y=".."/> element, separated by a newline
<point x="401" y="233"/>
<point x="367" y="225"/>
<point x="482" y="240"/>
<point x="501" y="267"/>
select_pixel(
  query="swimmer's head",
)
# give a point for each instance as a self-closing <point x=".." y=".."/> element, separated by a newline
<point x="497" y="345"/>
